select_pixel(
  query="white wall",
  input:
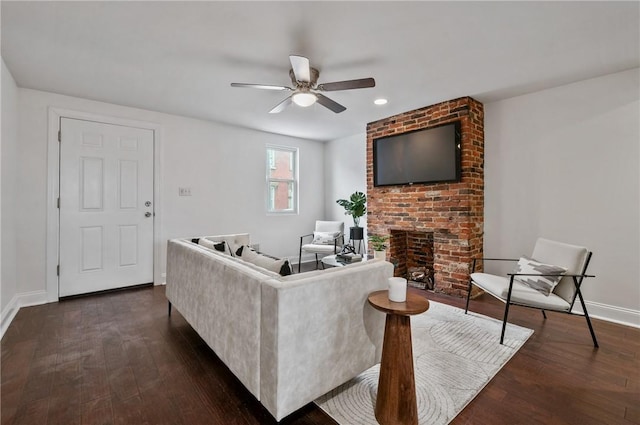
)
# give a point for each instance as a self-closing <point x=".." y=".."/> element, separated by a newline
<point x="345" y="173"/>
<point x="8" y="170"/>
<point x="564" y="164"/>
<point x="224" y="167"/>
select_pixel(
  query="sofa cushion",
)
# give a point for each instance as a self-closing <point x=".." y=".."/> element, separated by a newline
<point x="543" y="284"/>
<point x="251" y="256"/>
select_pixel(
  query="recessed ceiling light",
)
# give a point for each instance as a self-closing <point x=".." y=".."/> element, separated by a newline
<point x="380" y="101"/>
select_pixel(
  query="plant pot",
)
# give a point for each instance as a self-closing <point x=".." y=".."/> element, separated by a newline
<point x="356" y="233"/>
<point x="382" y="255"/>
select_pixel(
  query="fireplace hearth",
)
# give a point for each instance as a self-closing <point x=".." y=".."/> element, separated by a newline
<point x="420" y="277"/>
<point x="413" y="254"/>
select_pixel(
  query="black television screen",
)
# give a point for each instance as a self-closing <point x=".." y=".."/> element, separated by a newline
<point x="423" y="156"/>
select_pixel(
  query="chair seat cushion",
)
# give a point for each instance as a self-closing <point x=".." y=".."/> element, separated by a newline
<point x="498" y="286"/>
<point x="318" y="249"/>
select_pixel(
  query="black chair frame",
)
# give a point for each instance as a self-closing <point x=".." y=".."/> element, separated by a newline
<point x="577" y="281"/>
<point x="335" y="248"/>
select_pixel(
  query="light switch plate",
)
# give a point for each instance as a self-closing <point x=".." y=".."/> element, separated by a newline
<point x="184" y="191"/>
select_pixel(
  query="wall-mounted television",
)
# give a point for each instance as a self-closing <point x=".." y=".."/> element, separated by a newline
<point x="430" y="155"/>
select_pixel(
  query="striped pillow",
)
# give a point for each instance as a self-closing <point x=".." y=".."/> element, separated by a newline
<point x="544" y="284"/>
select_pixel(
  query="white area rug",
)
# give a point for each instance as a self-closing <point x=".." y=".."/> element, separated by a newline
<point x="455" y="356"/>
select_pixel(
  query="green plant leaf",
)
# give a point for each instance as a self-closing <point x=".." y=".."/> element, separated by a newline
<point x="355" y="206"/>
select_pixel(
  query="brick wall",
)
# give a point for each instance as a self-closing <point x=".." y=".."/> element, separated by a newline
<point x="453" y="212"/>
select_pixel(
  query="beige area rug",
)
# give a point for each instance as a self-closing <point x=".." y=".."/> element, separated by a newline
<point x="455" y="356"/>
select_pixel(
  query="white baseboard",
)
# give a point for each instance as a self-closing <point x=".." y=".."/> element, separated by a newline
<point x="610" y="313"/>
<point x="8" y="313"/>
<point x="18" y="301"/>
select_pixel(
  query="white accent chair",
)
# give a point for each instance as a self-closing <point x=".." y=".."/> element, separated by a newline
<point x="510" y="290"/>
<point x="336" y="228"/>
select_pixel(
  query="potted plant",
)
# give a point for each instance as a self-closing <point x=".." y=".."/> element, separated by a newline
<point x="356" y="207"/>
<point x="378" y="243"/>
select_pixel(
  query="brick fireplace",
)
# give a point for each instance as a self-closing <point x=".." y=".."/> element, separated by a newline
<point x="412" y="252"/>
<point x="449" y="215"/>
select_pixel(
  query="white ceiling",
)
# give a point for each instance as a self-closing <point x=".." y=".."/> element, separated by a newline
<point x="180" y="57"/>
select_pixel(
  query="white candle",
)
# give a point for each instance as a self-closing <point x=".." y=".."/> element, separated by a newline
<point x="397" y="289"/>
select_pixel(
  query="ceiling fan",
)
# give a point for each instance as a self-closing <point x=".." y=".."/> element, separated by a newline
<point x="306" y="91"/>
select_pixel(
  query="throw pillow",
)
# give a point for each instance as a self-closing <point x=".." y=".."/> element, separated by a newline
<point x="544" y="284"/>
<point x="285" y="270"/>
<point x="234" y="248"/>
<point x="247" y="254"/>
<point x="266" y="262"/>
<point x="206" y="243"/>
<point x="219" y="246"/>
<point x="324" y="238"/>
<point x="195" y="240"/>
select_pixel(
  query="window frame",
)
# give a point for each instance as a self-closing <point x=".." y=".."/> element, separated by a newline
<point x="294" y="181"/>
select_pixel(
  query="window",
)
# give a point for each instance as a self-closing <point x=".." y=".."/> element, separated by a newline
<point x="282" y="179"/>
<point x="271" y="157"/>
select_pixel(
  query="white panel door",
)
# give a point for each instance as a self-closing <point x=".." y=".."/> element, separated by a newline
<point x="106" y="206"/>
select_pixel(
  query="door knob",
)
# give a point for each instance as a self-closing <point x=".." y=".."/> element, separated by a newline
<point x="147" y="214"/>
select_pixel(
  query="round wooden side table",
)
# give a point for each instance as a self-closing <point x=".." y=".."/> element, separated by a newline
<point x="396" y="401"/>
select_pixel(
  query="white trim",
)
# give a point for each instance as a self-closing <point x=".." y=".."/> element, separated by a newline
<point x="9" y="312"/>
<point x="610" y="313"/>
<point x="18" y="301"/>
<point x="53" y="186"/>
<point x="295" y="157"/>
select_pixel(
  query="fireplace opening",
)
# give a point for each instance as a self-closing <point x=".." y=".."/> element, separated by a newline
<point x="413" y="255"/>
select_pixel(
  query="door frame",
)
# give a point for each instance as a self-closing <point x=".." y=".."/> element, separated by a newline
<point x="53" y="190"/>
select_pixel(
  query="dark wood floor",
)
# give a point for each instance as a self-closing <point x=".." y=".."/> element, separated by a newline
<point x="117" y="358"/>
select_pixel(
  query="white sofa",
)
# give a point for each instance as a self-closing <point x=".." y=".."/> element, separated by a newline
<point x="288" y="339"/>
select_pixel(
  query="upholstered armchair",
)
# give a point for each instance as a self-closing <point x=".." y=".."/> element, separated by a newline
<point x="548" y="280"/>
<point x="326" y="239"/>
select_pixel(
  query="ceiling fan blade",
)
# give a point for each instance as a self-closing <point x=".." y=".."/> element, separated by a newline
<point x="260" y="86"/>
<point x="330" y="104"/>
<point x="362" y="83"/>
<point x="301" y="68"/>
<point x="281" y="106"/>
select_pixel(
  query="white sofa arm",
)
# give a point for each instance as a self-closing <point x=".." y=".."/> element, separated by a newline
<point x="220" y="299"/>
<point x="317" y="332"/>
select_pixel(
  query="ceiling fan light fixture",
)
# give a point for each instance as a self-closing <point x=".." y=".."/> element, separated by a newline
<point x="304" y="99"/>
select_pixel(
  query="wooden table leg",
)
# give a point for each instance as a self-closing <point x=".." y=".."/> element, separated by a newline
<point x="396" y="400"/>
